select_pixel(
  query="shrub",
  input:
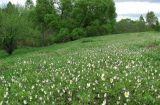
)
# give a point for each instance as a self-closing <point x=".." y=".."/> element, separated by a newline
<point x="77" y="33"/>
<point x="9" y="44"/>
<point x="63" y="35"/>
<point x="92" y="31"/>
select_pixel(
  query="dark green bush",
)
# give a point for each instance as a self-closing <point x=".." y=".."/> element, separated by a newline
<point x="78" y="33"/>
<point x="128" y="26"/>
<point x="63" y="35"/>
<point x="9" y="44"/>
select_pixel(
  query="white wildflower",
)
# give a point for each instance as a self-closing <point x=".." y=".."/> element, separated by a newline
<point x="126" y="94"/>
<point x="104" y="102"/>
<point x="25" y="102"/>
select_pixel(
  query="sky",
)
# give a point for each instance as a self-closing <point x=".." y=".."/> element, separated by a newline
<point x="124" y="8"/>
<point x="134" y="8"/>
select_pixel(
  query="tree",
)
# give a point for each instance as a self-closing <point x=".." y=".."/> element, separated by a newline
<point x="141" y="19"/>
<point x="43" y="8"/>
<point x="29" y="4"/>
<point x="86" y="13"/>
<point x="10" y="8"/>
<point x="141" y="24"/>
<point x="9" y="28"/>
<point x="13" y="28"/>
<point x="65" y="8"/>
<point x="157" y="26"/>
<point x="0" y="29"/>
<point x="128" y="25"/>
<point x="151" y="19"/>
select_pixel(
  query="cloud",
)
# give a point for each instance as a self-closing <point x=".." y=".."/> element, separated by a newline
<point x="137" y="0"/>
<point x="22" y="2"/>
<point x="4" y="1"/>
<point x="135" y="9"/>
<point x="133" y="16"/>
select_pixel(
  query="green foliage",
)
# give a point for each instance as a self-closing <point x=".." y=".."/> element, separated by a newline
<point x="73" y="14"/>
<point x="10" y="28"/>
<point x="141" y="24"/>
<point x="78" y="33"/>
<point x="53" y="21"/>
<point x="63" y="35"/>
<point x="0" y="29"/>
<point x="9" y="44"/>
<point x="157" y="26"/>
<point x="10" y="9"/>
<point x="30" y="34"/>
<point x="151" y="19"/>
<point x="141" y="19"/>
<point x="29" y="4"/>
<point x="16" y="29"/>
<point x="93" y="12"/>
<point x="42" y="9"/>
<point x="128" y="26"/>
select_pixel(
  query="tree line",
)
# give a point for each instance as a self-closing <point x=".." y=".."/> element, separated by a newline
<point x="59" y="21"/>
<point x="148" y="23"/>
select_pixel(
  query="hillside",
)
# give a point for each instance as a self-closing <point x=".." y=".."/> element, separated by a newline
<point x="114" y="69"/>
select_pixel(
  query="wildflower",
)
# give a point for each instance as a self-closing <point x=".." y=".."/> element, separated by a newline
<point x="40" y="98"/>
<point x="158" y="96"/>
<point x="32" y="87"/>
<point x="102" y="77"/>
<point x="89" y="65"/>
<point x="115" y="67"/>
<point x="70" y="81"/>
<point x="69" y="99"/>
<point x="24" y="62"/>
<point x="30" y="98"/>
<point x="127" y="67"/>
<point x="118" y="102"/>
<point x="6" y="95"/>
<point x="25" y="102"/>
<point x="69" y="62"/>
<point x="44" y="62"/>
<point x="88" y="85"/>
<point x="111" y="80"/>
<point x="126" y="94"/>
<point x="105" y="95"/>
<point x="104" y="102"/>
<point x="1" y="102"/>
<point x="115" y="77"/>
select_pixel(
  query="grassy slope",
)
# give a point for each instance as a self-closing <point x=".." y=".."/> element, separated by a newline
<point x="90" y="42"/>
<point x="120" y="63"/>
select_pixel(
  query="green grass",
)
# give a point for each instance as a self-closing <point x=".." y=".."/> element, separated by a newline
<point x="115" y="69"/>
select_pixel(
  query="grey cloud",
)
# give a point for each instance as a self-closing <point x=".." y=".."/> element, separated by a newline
<point x="138" y="1"/>
<point x="137" y="15"/>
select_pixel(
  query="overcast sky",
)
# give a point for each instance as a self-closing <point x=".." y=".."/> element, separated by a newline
<point x="124" y="8"/>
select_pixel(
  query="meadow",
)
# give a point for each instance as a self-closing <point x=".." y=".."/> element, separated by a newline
<point x="122" y="69"/>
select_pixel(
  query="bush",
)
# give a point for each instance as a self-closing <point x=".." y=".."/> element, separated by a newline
<point x="97" y="29"/>
<point x="128" y="26"/>
<point x="9" y="44"/>
<point x="92" y="31"/>
<point x="78" y="33"/>
<point x="63" y="35"/>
